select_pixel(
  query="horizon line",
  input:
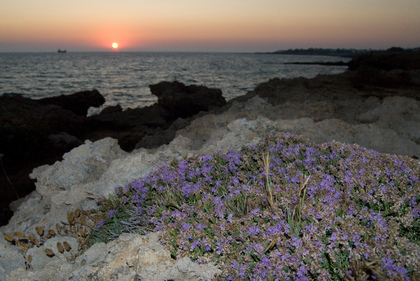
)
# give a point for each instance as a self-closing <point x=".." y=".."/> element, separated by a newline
<point x="225" y="52"/>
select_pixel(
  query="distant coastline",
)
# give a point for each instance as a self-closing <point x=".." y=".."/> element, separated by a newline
<point x="348" y="53"/>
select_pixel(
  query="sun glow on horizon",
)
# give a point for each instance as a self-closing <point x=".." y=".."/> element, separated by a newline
<point x="220" y="26"/>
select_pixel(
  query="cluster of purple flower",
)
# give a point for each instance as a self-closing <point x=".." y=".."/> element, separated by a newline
<point x="361" y="210"/>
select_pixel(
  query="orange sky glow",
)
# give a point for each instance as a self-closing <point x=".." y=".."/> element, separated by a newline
<point x="216" y="25"/>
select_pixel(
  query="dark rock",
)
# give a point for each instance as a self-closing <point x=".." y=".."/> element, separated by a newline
<point x="160" y="137"/>
<point x="38" y="132"/>
<point x="128" y="126"/>
<point x="178" y="100"/>
<point x="78" y="103"/>
<point x="393" y="68"/>
<point x="64" y="141"/>
<point x="388" y="60"/>
<point x="25" y="125"/>
<point x="149" y="127"/>
<point x="31" y="134"/>
<point x="371" y="76"/>
<point x="115" y="118"/>
<point x="111" y="109"/>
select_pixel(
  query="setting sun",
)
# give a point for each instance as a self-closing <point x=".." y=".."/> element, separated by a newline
<point x="115" y="45"/>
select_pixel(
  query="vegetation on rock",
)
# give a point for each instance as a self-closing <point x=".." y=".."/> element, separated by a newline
<point x="284" y="209"/>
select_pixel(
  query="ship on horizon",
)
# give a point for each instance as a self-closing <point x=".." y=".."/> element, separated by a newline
<point x="61" y="51"/>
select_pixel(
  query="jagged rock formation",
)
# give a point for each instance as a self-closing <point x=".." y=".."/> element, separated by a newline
<point x="183" y="101"/>
<point x="38" y="132"/>
<point x="78" y="103"/>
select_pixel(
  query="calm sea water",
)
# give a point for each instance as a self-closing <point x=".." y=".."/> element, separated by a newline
<point x="124" y="78"/>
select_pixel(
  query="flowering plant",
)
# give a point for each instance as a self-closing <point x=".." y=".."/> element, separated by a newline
<point x="286" y="209"/>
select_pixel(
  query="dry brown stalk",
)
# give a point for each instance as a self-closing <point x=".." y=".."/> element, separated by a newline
<point x="267" y="179"/>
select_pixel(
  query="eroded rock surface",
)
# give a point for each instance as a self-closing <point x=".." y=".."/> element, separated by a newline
<point x="38" y="132"/>
<point x="130" y="257"/>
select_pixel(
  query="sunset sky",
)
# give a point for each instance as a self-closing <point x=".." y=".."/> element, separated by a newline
<point x="207" y="25"/>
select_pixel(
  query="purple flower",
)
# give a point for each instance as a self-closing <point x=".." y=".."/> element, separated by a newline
<point x="240" y="267"/>
<point x="255" y="212"/>
<point x="207" y="248"/>
<point x="389" y="265"/>
<point x="185" y="227"/>
<point x="413" y="179"/>
<point x="265" y="261"/>
<point x="413" y="202"/>
<point x="229" y="218"/>
<point x="258" y="247"/>
<point x="208" y="178"/>
<point x="160" y="227"/>
<point x="136" y="199"/>
<point x="285" y="257"/>
<point x="301" y="273"/>
<point x="187" y="189"/>
<point x="253" y="230"/>
<point x="401" y="270"/>
<point x="194" y="244"/>
<point x="333" y="237"/>
<point x="200" y="227"/>
<point x="206" y="158"/>
<point x="111" y="213"/>
<point x="296" y="242"/>
<point x="101" y="223"/>
<point x="415" y="212"/>
<point x="348" y="179"/>
<point x="219" y="210"/>
<point x="275" y="229"/>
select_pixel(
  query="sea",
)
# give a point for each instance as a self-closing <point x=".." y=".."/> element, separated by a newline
<point x="124" y="77"/>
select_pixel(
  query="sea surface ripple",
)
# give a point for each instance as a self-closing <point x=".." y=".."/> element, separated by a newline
<point x="124" y="78"/>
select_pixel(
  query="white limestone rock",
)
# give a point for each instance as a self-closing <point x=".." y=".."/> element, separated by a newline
<point x="11" y="259"/>
<point x="39" y="257"/>
<point x="81" y="165"/>
<point x="29" y="213"/>
<point x="130" y="257"/>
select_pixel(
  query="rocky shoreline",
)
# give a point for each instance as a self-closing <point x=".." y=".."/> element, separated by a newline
<point x="39" y="132"/>
<point x="379" y="111"/>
